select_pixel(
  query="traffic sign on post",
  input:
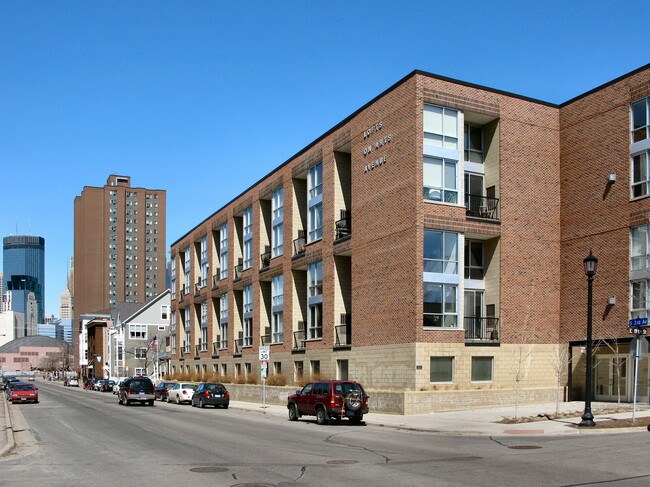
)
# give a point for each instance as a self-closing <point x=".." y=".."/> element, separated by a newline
<point x="265" y="353"/>
<point x="634" y="322"/>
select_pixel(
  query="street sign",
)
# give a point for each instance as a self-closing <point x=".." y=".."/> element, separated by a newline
<point x="265" y="353"/>
<point x="638" y="331"/>
<point x="638" y="322"/>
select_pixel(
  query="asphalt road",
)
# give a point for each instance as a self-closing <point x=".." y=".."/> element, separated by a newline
<point x="76" y="437"/>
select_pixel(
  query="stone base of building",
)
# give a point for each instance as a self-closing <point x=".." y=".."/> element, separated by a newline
<point x="409" y="402"/>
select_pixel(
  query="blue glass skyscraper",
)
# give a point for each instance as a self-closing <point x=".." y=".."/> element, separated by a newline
<point x="23" y="265"/>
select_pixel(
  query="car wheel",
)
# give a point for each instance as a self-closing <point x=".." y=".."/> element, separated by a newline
<point x="201" y="405"/>
<point x="353" y="401"/>
<point x="356" y="419"/>
<point x="321" y="417"/>
<point x="151" y="402"/>
<point x="225" y="407"/>
<point x="119" y="400"/>
<point x="178" y="400"/>
<point x="127" y="402"/>
<point x="293" y="413"/>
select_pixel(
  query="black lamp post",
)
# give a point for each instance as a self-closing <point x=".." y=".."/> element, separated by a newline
<point x="590" y="262"/>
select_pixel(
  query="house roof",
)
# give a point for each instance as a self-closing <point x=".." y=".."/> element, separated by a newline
<point x="32" y="341"/>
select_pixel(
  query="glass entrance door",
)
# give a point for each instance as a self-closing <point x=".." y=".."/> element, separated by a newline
<point x="611" y="378"/>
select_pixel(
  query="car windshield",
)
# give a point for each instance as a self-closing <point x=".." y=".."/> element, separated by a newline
<point x="189" y="386"/>
<point x="24" y="387"/>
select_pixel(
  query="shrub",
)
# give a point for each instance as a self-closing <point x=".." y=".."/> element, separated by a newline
<point x="276" y="380"/>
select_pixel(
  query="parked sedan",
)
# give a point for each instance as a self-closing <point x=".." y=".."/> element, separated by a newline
<point x="73" y="383"/>
<point x="10" y="384"/>
<point x="162" y="390"/>
<point x="106" y="385"/>
<point x="211" y="394"/>
<point x="23" y="392"/>
<point x="181" y="392"/>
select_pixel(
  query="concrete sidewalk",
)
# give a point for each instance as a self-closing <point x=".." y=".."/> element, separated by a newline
<point x="485" y="421"/>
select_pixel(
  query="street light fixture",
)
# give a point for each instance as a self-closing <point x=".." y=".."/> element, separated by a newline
<point x="590" y="263"/>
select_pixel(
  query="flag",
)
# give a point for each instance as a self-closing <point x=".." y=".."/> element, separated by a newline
<point x="153" y="342"/>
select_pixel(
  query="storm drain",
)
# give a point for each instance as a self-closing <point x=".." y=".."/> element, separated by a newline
<point x="341" y="462"/>
<point x="208" y="469"/>
<point x="525" y="447"/>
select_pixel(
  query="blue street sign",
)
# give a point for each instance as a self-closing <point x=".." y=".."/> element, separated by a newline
<point x="639" y="322"/>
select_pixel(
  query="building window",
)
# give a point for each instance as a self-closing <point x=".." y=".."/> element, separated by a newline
<point x="172" y="276"/>
<point x="314" y="366"/>
<point x="482" y="369"/>
<point x="164" y="312"/>
<point x="473" y="143"/>
<point x="315" y="203"/>
<point x="298" y="370"/>
<point x="204" y="340"/>
<point x="342" y="369"/>
<point x="441" y="369"/>
<point x="640" y="174"/>
<point x="640" y="299"/>
<point x="640" y="120"/>
<point x="277" y="233"/>
<point x="474" y="260"/>
<point x="248" y="237"/>
<point x="248" y="316"/>
<point x="204" y="314"/>
<point x="223" y="321"/>
<point x="140" y="371"/>
<point x="187" y="267"/>
<point x="440" y="252"/>
<point x="138" y="332"/>
<point x="440" y="179"/>
<point x="440" y="302"/>
<point x="277" y="307"/>
<point x="440" y="127"/>
<point x="141" y="352"/>
<point x="315" y="300"/>
<point x="223" y="250"/>
<point x="204" y="261"/>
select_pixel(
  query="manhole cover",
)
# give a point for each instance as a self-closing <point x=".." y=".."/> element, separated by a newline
<point x="208" y="469"/>
<point x="341" y="462"/>
<point x="525" y="447"/>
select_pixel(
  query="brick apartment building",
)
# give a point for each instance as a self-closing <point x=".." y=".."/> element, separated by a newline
<point x="431" y="246"/>
<point x="119" y="250"/>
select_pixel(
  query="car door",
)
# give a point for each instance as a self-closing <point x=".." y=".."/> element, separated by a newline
<point x="173" y="393"/>
<point x="305" y="400"/>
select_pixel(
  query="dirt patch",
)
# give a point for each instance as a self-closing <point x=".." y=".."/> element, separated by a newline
<point x="600" y="422"/>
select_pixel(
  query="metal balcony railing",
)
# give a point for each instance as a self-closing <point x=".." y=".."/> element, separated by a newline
<point x="239" y="268"/>
<point x="482" y="207"/>
<point x="197" y="288"/>
<point x="300" y="243"/>
<point x="481" y="329"/>
<point x="265" y="259"/>
<point x="215" y="279"/>
<point x="197" y="351"/>
<point x="344" y="331"/>
<point x="265" y="340"/>
<point x="343" y="227"/>
<point x="299" y="338"/>
<point x="239" y="344"/>
<point x="215" y="348"/>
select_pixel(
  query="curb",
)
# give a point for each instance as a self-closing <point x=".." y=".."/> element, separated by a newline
<point x="11" y="441"/>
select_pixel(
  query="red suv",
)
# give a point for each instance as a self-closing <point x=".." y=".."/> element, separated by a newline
<point x="329" y="400"/>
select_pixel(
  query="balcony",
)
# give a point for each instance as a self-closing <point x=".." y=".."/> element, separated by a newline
<point x="239" y="344"/>
<point x="299" y="338"/>
<point x="215" y="279"/>
<point x="197" y="351"/>
<point x="215" y="348"/>
<point x="181" y="354"/>
<point x="299" y="244"/>
<point x="265" y="340"/>
<point x="197" y="288"/>
<point x="482" y="207"/>
<point x="344" y="332"/>
<point x="481" y="329"/>
<point x="239" y="268"/>
<point x="265" y="259"/>
<point x="343" y="226"/>
<point x="182" y="295"/>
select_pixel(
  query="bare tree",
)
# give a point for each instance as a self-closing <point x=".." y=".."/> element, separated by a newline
<point x="61" y="360"/>
<point x="560" y="361"/>
<point x="520" y="371"/>
<point x="145" y="354"/>
<point x="612" y="342"/>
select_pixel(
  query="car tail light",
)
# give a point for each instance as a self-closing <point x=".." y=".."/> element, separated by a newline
<point x="227" y="395"/>
<point x="184" y="392"/>
<point x="128" y="391"/>
<point x="206" y="394"/>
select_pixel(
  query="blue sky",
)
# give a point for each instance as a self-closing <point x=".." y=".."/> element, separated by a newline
<point x="151" y="89"/>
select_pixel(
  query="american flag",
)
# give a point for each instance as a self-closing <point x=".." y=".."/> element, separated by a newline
<point x="153" y="342"/>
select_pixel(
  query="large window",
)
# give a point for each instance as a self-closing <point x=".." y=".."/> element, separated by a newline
<point x="248" y="237"/>
<point x="640" y="298"/>
<point x="204" y="261"/>
<point x="315" y="203"/>
<point x="440" y="303"/>
<point x="441" y="369"/>
<point x="641" y="120"/>
<point x="639" y="254"/>
<point x="172" y="276"/>
<point x="223" y="250"/>
<point x="440" y="127"/>
<point x="315" y="300"/>
<point x="474" y="259"/>
<point x="482" y="369"/>
<point x="440" y="252"/>
<point x="277" y="307"/>
<point x="138" y="332"/>
<point x="277" y="234"/>
<point x="187" y="268"/>
<point x="440" y="179"/>
<point x="640" y="148"/>
<point x="473" y="143"/>
<point x="223" y="320"/>
<point x="188" y="329"/>
<point x="248" y="316"/>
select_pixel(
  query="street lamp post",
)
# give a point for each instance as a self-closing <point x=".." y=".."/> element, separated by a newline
<point x="590" y="263"/>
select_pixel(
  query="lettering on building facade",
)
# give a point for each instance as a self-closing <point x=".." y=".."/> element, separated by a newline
<point x="378" y="144"/>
